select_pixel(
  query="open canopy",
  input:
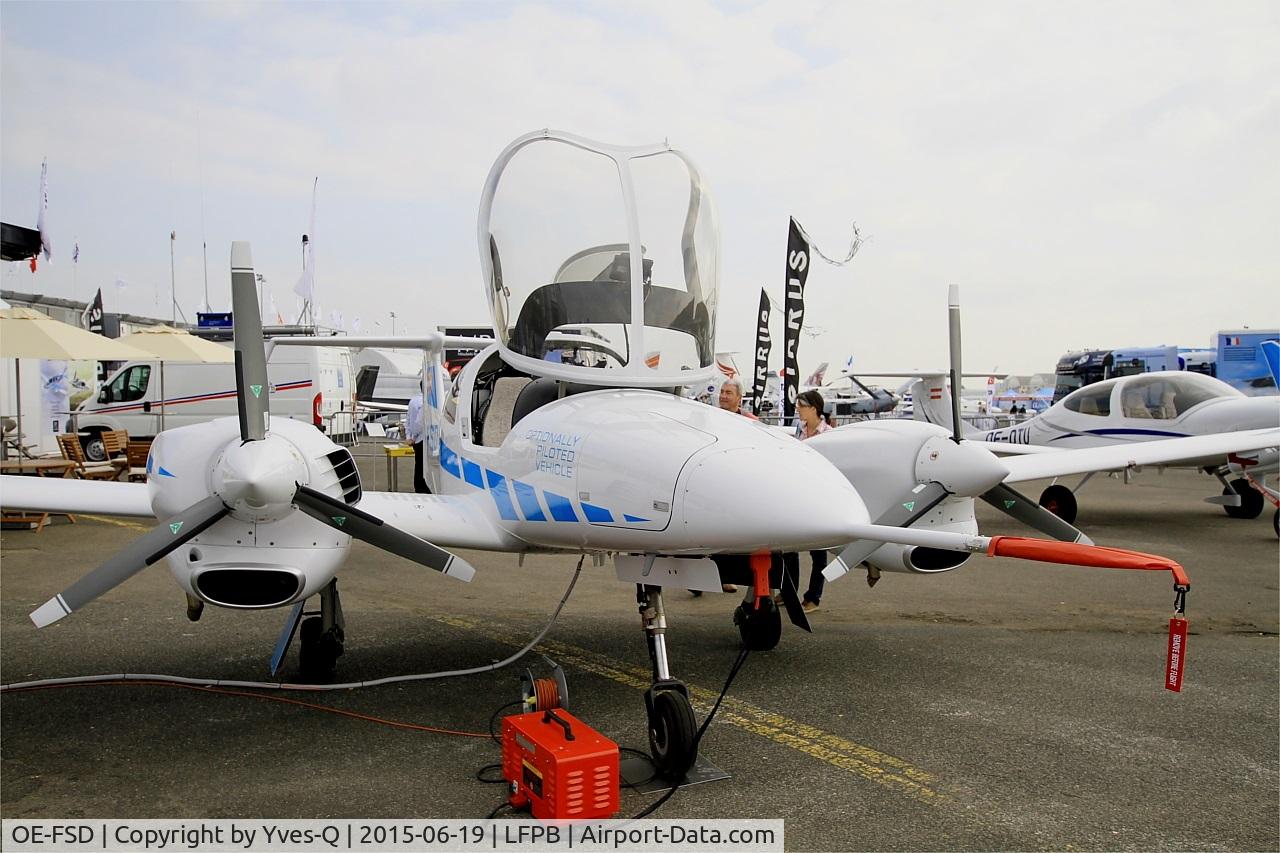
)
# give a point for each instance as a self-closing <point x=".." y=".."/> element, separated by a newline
<point x="601" y="264"/>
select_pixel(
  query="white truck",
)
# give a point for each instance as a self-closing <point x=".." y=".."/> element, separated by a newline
<point x="312" y="384"/>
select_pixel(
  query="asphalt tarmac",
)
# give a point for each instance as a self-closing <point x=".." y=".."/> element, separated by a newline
<point x="1007" y="705"/>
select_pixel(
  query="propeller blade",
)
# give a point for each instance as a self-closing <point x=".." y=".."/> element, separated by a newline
<point x="904" y="513"/>
<point x="252" y="386"/>
<point x="858" y="382"/>
<point x="953" y="329"/>
<point x="354" y="522"/>
<point x="1030" y="513"/>
<point x="791" y="600"/>
<point x="138" y="555"/>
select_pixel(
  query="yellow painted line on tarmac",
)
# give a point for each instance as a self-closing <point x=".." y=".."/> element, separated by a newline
<point x="864" y="761"/>
<point x="132" y="525"/>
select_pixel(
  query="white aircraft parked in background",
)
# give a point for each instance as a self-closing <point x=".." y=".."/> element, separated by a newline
<point x="600" y="458"/>
<point x="1128" y="422"/>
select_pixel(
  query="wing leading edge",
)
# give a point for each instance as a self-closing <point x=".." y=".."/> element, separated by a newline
<point x="1192" y="451"/>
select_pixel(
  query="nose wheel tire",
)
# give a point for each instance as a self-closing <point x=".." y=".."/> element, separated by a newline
<point x="1250" y="500"/>
<point x="319" y="650"/>
<point x="761" y="628"/>
<point x="673" y="731"/>
<point x="1060" y="501"/>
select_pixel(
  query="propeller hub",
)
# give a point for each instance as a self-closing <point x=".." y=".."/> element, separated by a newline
<point x="258" y="479"/>
<point x="962" y="469"/>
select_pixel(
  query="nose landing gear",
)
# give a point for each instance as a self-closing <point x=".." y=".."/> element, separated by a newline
<point x="673" y="729"/>
<point x="321" y="643"/>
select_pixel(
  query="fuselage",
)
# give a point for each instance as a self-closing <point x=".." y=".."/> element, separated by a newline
<point x="640" y="471"/>
<point x="1145" y="407"/>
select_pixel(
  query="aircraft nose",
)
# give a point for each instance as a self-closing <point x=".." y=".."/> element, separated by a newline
<point x="777" y="497"/>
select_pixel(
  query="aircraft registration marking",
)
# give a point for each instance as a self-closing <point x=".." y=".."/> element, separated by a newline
<point x="861" y="760"/>
<point x="1013" y="435"/>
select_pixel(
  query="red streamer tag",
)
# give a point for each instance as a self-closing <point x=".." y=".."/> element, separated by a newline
<point x="1177" y="654"/>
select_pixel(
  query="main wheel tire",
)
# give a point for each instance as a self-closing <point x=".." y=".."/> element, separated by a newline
<point x="760" y="629"/>
<point x="1250" y="500"/>
<point x="94" y="448"/>
<point x="1275" y="522"/>
<point x="672" y="733"/>
<point x="317" y="652"/>
<point x="1060" y="501"/>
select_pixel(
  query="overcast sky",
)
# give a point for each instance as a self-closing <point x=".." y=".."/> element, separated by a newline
<point x="1090" y="174"/>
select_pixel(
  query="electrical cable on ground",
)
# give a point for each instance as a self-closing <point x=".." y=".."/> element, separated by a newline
<point x="493" y="718"/>
<point x="398" y="724"/>
<point x="281" y="685"/>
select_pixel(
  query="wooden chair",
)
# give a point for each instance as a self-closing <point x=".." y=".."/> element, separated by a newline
<point x="116" y="444"/>
<point x="85" y="470"/>
<point x="136" y="453"/>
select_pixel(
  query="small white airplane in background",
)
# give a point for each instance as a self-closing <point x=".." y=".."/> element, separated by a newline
<point x="1167" y="418"/>
<point x="600" y="458"/>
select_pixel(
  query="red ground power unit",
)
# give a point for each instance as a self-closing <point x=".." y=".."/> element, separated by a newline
<point x="559" y="766"/>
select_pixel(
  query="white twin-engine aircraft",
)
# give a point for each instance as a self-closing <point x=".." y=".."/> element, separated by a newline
<point x="1168" y="418"/>
<point x="601" y="267"/>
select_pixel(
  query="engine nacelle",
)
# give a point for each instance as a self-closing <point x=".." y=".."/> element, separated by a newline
<point x="265" y="553"/>
<point x="915" y="560"/>
<point x="953" y="515"/>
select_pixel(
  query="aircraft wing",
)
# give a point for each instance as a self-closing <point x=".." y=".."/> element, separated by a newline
<point x="450" y="521"/>
<point x="1005" y="448"/>
<point x="55" y="494"/>
<point x="1191" y="451"/>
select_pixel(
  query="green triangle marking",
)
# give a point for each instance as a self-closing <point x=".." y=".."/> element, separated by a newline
<point x="256" y="389"/>
<point x="339" y="520"/>
<point x="176" y="526"/>
<point x="1009" y="504"/>
<point x="910" y="505"/>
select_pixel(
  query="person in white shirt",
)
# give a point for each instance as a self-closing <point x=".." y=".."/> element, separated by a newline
<point x="413" y="434"/>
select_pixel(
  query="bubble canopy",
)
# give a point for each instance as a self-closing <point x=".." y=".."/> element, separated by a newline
<point x="601" y="263"/>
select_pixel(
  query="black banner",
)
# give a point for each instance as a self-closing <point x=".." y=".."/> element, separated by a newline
<point x="763" y="345"/>
<point x="92" y="317"/>
<point x="797" y="274"/>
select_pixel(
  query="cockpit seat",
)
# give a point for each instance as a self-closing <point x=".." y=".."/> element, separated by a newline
<point x="534" y="396"/>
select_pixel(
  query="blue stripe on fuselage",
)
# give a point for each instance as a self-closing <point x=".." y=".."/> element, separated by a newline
<point x="596" y="513"/>
<point x="560" y="506"/>
<point x="528" y="499"/>
<point x="449" y="460"/>
<point x="501" y="497"/>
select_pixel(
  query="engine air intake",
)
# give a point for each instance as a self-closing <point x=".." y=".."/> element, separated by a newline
<point x="936" y="559"/>
<point x="248" y="587"/>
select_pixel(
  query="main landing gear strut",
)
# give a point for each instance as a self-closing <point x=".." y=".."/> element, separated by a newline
<point x="673" y="730"/>
<point x="322" y="638"/>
